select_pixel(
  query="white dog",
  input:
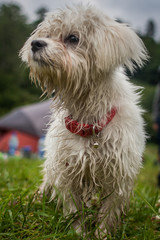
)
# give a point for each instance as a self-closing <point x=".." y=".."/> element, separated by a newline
<point x="94" y="145"/>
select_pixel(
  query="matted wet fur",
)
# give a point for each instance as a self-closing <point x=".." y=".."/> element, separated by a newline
<point x="81" y="53"/>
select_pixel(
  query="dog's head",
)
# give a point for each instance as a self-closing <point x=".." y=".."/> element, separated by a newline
<point x="77" y="46"/>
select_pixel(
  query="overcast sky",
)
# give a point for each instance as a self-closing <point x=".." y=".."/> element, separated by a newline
<point x="134" y="12"/>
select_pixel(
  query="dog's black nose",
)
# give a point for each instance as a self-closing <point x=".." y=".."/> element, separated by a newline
<point x="38" y="45"/>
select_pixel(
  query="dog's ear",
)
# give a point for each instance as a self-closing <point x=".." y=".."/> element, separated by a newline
<point x="122" y="46"/>
<point x="130" y="47"/>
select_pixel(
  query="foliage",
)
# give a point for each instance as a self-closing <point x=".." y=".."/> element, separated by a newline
<point x="148" y="74"/>
<point x="150" y="30"/>
<point x="40" y="14"/>
<point x="22" y="216"/>
<point x="147" y="102"/>
<point x="15" y="87"/>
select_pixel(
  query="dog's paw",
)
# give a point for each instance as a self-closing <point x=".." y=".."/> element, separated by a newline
<point x="38" y="195"/>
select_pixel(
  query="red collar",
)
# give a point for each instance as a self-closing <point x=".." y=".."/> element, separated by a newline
<point x="85" y="130"/>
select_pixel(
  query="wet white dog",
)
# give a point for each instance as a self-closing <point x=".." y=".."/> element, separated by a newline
<point x="95" y="144"/>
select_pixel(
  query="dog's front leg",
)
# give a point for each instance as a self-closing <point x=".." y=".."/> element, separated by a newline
<point x="108" y="216"/>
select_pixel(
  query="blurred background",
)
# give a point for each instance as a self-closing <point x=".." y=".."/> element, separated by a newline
<point x="18" y="19"/>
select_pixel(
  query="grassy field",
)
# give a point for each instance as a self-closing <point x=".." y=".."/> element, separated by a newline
<point x="22" y="217"/>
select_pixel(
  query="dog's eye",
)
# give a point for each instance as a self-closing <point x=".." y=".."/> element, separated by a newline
<point x="72" y="39"/>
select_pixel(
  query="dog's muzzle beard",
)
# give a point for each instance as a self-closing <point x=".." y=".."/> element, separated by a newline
<point x="44" y="70"/>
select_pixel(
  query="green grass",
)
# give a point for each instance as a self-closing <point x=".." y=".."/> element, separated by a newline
<point x="23" y="217"/>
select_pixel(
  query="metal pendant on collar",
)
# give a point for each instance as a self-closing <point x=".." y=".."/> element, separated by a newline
<point x="95" y="144"/>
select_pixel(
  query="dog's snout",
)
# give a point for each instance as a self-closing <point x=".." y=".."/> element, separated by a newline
<point x="38" y="45"/>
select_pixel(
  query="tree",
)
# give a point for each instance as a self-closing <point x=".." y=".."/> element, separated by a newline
<point x="40" y="15"/>
<point x="150" y="29"/>
<point x="14" y="83"/>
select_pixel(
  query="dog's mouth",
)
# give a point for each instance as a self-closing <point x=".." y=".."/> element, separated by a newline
<point x="42" y="59"/>
<point x="38" y="59"/>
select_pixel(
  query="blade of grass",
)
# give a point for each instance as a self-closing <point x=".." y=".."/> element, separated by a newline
<point x="145" y="200"/>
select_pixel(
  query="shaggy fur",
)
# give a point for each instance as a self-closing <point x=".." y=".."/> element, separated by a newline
<point x="89" y="80"/>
